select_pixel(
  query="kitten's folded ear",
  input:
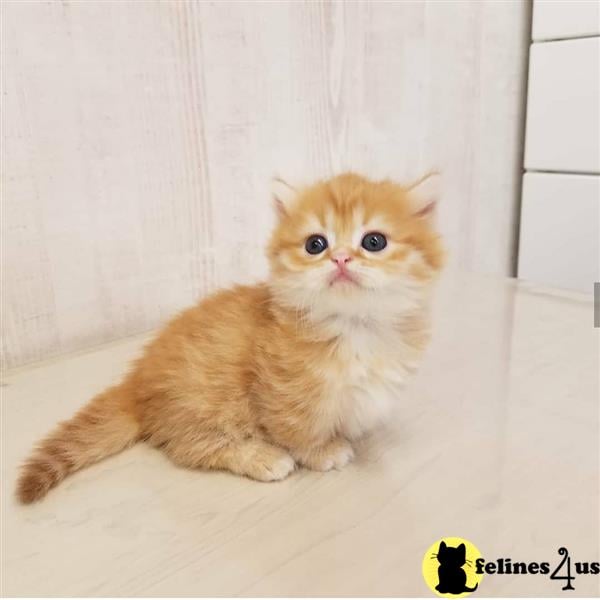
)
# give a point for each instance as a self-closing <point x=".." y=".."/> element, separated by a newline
<point x="283" y="196"/>
<point x="425" y="193"/>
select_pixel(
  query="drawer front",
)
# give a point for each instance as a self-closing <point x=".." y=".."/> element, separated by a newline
<point x="560" y="222"/>
<point x="561" y="19"/>
<point x="563" y="107"/>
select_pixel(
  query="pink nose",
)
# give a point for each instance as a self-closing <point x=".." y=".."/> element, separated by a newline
<point x="341" y="258"/>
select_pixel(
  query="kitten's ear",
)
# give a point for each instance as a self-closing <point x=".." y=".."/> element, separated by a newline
<point x="283" y="196"/>
<point x="442" y="546"/>
<point x="462" y="549"/>
<point x="424" y="194"/>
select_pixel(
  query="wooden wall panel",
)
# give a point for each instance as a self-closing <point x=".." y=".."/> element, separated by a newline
<point x="139" y="138"/>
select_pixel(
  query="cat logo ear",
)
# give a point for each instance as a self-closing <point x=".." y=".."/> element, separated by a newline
<point x="283" y="196"/>
<point x="425" y="193"/>
<point x="442" y="545"/>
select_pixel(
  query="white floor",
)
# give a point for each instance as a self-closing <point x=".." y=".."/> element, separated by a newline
<point x="497" y="441"/>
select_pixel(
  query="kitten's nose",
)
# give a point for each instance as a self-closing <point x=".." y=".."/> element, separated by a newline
<point x="340" y="258"/>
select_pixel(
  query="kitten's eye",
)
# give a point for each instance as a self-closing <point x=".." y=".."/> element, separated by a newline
<point x="316" y="244"/>
<point x="374" y="242"/>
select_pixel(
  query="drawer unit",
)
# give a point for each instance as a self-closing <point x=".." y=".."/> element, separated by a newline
<point x="561" y="19"/>
<point x="559" y="240"/>
<point x="563" y="107"/>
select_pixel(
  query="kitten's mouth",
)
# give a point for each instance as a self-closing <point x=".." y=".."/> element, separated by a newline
<point x="343" y="276"/>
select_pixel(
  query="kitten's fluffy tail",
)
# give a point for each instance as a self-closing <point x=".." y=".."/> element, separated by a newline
<point x="105" y="426"/>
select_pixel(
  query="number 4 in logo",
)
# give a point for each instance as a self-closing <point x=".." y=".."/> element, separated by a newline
<point x="566" y="559"/>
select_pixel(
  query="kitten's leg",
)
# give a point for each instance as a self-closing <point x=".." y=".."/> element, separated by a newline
<point x="335" y="454"/>
<point x="251" y="457"/>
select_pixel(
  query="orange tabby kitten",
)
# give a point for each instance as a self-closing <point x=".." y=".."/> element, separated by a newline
<point x="259" y="379"/>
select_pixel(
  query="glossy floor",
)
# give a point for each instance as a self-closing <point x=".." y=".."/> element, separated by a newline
<point x="497" y="441"/>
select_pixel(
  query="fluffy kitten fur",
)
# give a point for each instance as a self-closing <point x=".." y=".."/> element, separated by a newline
<point x="259" y="379"/>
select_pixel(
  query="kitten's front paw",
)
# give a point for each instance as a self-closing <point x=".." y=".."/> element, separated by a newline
<point x="336" y="454"/>
<point x="269" y="463"/>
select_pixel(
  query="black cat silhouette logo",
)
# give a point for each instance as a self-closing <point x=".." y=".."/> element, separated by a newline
<point x="449" y="567"/>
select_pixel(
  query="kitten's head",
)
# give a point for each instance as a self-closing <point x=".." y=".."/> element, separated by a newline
<point x="353" y="246"/>
<point x="450" y="556"/>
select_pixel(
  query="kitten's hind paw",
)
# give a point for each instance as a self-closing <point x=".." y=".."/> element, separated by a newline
<point x="336" y="454"/>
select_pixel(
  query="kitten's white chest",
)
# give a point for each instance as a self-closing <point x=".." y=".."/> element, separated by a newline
<point x="374" y="365"/>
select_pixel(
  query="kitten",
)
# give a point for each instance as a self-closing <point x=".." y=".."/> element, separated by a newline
<point x="259" y="379"/>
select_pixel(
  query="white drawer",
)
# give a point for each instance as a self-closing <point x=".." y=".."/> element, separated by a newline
<point x="563" y="123"/>
<point x="560" y="229"/>
<point x="560" y="19"/>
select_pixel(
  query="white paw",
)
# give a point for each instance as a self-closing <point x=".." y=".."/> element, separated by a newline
<point x="335" y="455"/>
<point x="339" y="457"/>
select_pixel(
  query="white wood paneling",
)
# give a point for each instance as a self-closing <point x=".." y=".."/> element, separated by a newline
<point x="562" y="19"/>
<point x="140" y="137"/>
<point x="563" y="107"/>
<point x="560" y="230"/>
